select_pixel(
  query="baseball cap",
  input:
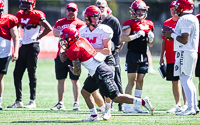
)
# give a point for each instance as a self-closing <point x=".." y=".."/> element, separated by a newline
<point x="73" y="6"/>
<point x="173" y="4"/>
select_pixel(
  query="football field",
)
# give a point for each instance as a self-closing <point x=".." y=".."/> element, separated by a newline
<point x="158" y="90"/>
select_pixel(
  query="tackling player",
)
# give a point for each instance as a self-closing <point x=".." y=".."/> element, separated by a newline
<point x="186" y="40"/>
<point x="80" y="51"/>
<point x="61" y="68"/>
<point x="138" y="32"/>
<point x="8" y="30"/>
<point x="30" y="21"/>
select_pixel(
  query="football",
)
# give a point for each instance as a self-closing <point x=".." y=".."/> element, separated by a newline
<point x="167" y="29"/>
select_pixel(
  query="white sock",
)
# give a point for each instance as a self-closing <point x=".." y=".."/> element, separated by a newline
<point x="32" y="100"/>
<point x="61" y="102"/>
<point x="108" y="104"/>
<point x="138" y="93"/>
<point x="188" y="89"/>
<point x="1" y="98"/>
<point x="76" y="102"/>
<point x="137" y="101"/>
<point x="102" y="108"/>
<point x="93" y="111"/>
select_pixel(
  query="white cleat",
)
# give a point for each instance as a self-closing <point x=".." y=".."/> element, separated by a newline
<point x="175" y="109"/>
<point x="128" y="109"/>
<point x="91" y="119"/>
<point x="196" y="109"/>
<point x="30" y="105"/>
<point x="76" y="107"/>
<point x="58" y="106"/>
<point x="148" y="105"/>
<point x="139" y="110"/>
<point x="1" y="108"/>
<point x="187" y="112"/>
<point x="107" y="114"/>
<point x="184" y="107"/>
<point x="17" y="104"/>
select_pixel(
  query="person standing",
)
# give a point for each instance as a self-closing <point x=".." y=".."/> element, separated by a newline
<point x="114" y="24"/>
<point x="80" y="51"/>
<point x="197" y="70"/>
<point x="31" y="21"/>
<point x="169" y="53"/>
<point x="8" y="30"/>
<point x="138" y="32"/>
<point x="186" y="40"/>
<point x="61" y="68"/>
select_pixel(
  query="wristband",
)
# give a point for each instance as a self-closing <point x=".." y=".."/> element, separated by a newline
<point x="174" y="35"/>
<point x="132" y="37"/>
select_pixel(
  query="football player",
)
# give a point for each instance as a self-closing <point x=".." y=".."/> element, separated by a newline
<point x="113" y="22"/>
<point x="186" y="40"/>
<point x="138" y="32"/>
<point x="99" y="36"/>
<point x="8" y="30"/>
<point x="80" y="51"/>
<point x="61" y="68"/>
<point x="169" y="53"/>
<point x="30" y="21"/>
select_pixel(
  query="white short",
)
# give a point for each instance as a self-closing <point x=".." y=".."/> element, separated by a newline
<point x="185" y="63"/>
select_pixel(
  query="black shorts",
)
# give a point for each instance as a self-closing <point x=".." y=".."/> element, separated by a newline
<point x="4" y="62"/>
<point x="170" y="73"/>
<point x="102" y="79"/>
<point x="197" y="70"/>
<point x="136" y="63"/>
<point x="62" y="69"/>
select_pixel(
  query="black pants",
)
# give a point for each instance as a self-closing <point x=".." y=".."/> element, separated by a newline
<point x="27" y="59"/>
<point x="117" y="76"/>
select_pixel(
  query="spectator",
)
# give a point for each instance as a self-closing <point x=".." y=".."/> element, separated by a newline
<point x="8" y="30"/>
<point x="31" y="21"/>
<point x="61" y="69"/>
<point x="138" y="33"/>
<point x="186" y="36"/>
<point x="100" y="72"/>
<point x="167" y="50"/>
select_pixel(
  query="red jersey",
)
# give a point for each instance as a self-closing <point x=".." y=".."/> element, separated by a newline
<point x="139" y="45"/>
<point x="81" y="49"/>
<point x="198" y="16"/>
<point x="31" y="18"/>
<point x="169" y="45"/>
<point x="64" y="22"/>
<point x="7" y="21"/>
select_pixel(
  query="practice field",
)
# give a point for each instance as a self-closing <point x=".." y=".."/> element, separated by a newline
<point x="158" y="90"/>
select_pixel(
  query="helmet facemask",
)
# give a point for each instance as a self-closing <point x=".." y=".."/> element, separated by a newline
<point x="138" y="16"/>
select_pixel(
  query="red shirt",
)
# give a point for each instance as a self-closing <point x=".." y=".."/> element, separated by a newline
<point x="139" y="45"/>
<point x="64" y="22"/>
<point x="7" y="21"/>
<point x="81" y="49"/>
<point x="169" y="45"/>
<point x="198" y="16"/>
<point x="31" y="18"/>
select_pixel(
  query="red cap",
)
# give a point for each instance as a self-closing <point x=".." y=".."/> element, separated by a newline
<point x="173" y="4"/>
<point x="72" y="5"/>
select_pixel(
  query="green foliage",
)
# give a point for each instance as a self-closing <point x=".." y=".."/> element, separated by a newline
<point x="158" y="90"/>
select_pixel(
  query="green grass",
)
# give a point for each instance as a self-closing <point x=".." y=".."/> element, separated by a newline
<point x="158" y="90"/>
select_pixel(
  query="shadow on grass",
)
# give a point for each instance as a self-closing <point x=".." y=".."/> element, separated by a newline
<point x="48" y="121"/>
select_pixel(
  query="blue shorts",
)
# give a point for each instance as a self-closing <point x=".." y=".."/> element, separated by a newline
<point x="136" y="63"/>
